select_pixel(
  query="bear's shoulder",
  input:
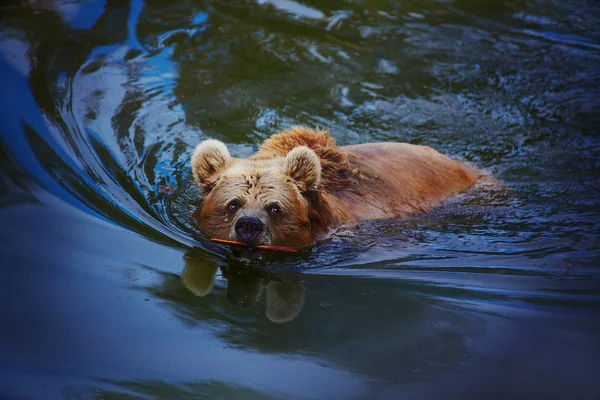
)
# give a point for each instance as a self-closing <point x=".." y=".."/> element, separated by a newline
<point x="335" y="167"/>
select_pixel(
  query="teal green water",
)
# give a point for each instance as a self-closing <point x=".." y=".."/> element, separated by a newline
<point x="109" y="291"/>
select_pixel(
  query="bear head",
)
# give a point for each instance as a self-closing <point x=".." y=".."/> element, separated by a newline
<point x="259" y="202"/>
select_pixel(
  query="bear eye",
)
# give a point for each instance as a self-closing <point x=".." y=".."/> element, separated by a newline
<point x="274" y="208"/>
<point x="234" y="205"/>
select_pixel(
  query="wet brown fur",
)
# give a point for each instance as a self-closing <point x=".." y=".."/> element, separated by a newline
<point x="335" y="169"/>
<point x="359" y="182"/>
<point x="256" y="189"/>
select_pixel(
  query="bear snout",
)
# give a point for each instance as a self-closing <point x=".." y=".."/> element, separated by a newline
<point x="248" y="228"/>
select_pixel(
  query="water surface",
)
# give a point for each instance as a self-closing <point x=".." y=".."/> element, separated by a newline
<point x="109" y="291"/>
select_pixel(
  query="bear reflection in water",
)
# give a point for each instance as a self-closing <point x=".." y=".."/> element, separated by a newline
<point x="284" y="294"/>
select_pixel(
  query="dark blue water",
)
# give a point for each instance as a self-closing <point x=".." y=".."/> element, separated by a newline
<point x="109" y="291"/>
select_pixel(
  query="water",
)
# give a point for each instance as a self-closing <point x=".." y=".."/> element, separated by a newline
<point x="109" y="291"/>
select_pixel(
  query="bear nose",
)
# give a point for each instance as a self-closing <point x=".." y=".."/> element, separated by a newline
<point x="248" y="228"/>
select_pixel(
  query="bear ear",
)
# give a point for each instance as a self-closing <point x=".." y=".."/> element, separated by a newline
<point x="304" y="167"/>
<point x="210" y="158"/>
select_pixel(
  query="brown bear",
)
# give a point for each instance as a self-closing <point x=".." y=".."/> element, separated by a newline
<point x="300" y="184"/>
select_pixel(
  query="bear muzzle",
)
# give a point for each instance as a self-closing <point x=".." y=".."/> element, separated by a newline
<point x="248" y="229"/>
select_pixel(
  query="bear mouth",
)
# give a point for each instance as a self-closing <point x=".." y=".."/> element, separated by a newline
<point x="253" y="247"/>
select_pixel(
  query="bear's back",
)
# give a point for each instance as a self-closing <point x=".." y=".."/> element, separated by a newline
<point x="397" y="179"/>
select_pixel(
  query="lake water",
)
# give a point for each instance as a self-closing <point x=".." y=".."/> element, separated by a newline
<point x="109" y="291"/>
